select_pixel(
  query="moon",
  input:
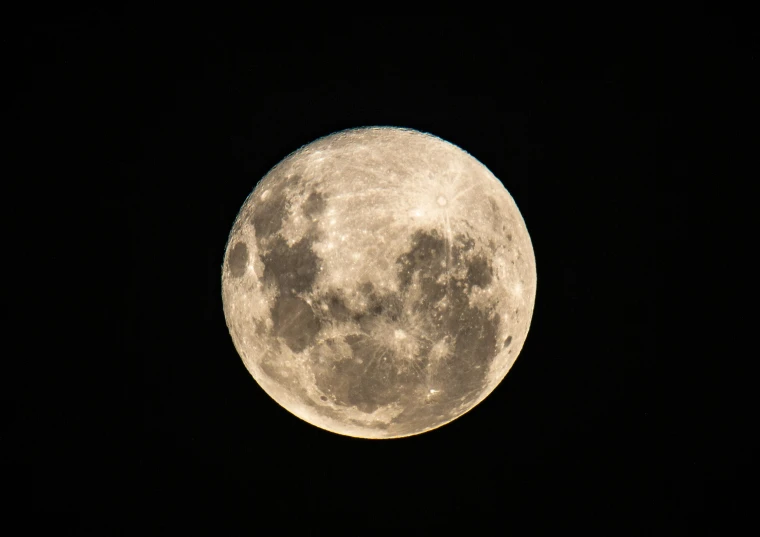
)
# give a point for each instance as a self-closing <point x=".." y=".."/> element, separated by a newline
<point x="379" y="282"/>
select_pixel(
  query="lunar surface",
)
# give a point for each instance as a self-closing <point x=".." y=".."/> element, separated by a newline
<point x="379" y="282"/>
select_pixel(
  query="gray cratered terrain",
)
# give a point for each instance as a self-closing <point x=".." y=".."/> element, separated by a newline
<point x="379" y="282"/>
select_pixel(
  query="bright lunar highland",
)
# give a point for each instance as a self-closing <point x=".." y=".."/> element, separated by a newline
<point x="379" y="282"/>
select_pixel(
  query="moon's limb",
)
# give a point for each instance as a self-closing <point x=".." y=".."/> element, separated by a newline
<point x="379" y="282"/>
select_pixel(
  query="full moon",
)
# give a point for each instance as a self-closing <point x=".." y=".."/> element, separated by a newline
<point x="379" y="282"/>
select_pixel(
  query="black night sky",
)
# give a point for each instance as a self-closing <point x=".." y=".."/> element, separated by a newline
<point x="140" y="136"/>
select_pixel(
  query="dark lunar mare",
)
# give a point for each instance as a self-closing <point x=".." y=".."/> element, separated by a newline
<point x="238" y="259"/>
<point x="290" y="269"/>
<point x="370" y="376"/>
<point x="269" y="214"/>
<point x="465" y="371"/>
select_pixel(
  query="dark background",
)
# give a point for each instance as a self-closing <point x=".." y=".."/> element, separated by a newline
<point x="136" y="139"/>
